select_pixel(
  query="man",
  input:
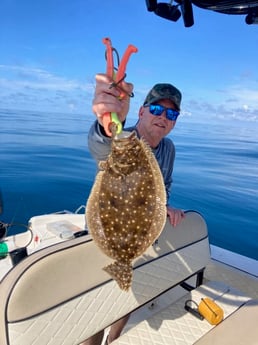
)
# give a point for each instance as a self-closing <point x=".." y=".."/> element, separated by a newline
<point x="157" y="118"/>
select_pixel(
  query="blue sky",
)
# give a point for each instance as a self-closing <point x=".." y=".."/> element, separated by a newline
<point x="52" y="49"/>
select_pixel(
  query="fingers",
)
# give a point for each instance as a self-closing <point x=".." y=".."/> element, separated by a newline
<point x="175" y="215"/>
<point x="104" y="85"/>
<point x="126" y="88"/>
<point x="107" y="97"/>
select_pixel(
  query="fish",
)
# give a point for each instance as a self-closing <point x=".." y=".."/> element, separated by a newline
<point x="126" y="208"/>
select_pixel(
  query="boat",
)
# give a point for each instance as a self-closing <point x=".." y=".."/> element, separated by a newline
<point x="53" y="289"/>
<point x="184" y="8"/>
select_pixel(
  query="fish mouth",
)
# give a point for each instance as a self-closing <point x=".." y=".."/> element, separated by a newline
<point x="124" y="140"/>
<point x="124" y="135"/>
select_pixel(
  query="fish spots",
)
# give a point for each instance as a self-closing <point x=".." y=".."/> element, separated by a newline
<point x="126" y="209"/>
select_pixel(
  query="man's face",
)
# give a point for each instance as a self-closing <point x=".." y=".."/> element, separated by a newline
<point x="153" y="125"/>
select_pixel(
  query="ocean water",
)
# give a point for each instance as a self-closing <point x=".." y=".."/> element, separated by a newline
<point x="46" y="167"/>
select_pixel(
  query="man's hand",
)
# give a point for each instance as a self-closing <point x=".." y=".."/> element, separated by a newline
<point x="106" y="98"/>
<point x="175" y="215"/>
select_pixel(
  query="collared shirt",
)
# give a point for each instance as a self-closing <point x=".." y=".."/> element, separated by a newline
<point x="99" y="147"/>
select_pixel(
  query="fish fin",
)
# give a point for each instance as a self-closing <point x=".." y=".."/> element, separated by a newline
<point x="122" y="273"/>
<point x="102" y="165"/>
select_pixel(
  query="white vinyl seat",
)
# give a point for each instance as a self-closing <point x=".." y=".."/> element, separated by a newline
<point x="61" y="295"/>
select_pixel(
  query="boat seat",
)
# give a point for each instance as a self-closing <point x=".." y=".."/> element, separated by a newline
<point x="61" y="295"/>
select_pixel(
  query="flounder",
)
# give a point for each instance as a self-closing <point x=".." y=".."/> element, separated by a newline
<point x="126" y="209"/>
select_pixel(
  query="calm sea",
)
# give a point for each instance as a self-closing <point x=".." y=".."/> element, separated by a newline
<point x="46" y="167"/>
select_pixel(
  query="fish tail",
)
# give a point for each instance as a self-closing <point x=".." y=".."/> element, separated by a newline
<point x="122" y="273"/>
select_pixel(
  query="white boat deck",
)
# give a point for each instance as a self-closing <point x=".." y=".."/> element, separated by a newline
<point x="175" y="326"/>
<point x="167" y="306"/>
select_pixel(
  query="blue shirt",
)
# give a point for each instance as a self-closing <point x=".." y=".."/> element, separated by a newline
<point x="99" y="147"/>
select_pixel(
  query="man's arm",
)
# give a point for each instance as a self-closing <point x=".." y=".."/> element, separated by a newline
<point x="98" y="144"/>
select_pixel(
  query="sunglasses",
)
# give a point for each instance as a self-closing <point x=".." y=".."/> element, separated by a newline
<point x="157" y="110"/>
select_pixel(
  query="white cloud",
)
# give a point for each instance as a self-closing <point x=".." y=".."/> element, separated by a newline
<point x="42" y="89"/>
<point x="38" y="89"/>
<point x="229" y="102"/>
<point x="245" y="95"/>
